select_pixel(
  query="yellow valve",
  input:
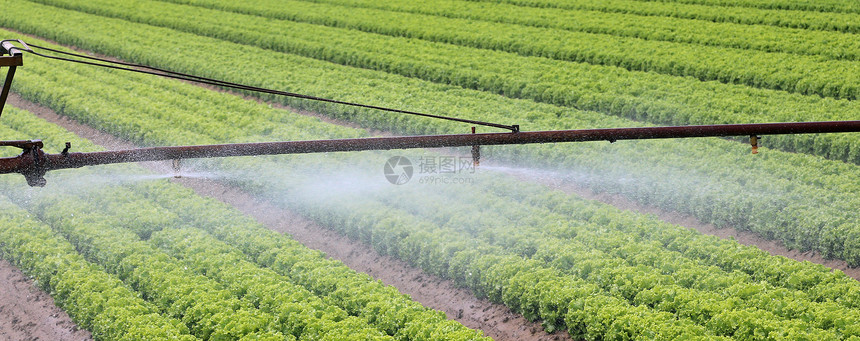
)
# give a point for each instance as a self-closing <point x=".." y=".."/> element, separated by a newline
<point x="754" y="143"/>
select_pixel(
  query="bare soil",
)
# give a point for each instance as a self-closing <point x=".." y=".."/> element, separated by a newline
<point x="29" y="313"/>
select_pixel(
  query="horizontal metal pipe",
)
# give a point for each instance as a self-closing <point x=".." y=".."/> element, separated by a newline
<point x="14" y="164"/>
<point x="75" y="160"/>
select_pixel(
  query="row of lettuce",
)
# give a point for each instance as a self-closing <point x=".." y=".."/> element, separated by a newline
<point x="641" y="96"/>
<point x="753" y="37"/>
<point x="209" y="311"/>
<point x="292" y="274"/>
<point x="833" y="21"/>
<point x="530" y="266"/>
<point x="806" y="5"/>
<point x="211" y="293"/>
<point x="779" y="71"/>
<point x="97" y="301"/>
<point x="774" y="194"/>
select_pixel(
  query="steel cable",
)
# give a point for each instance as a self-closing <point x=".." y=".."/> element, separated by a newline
<point x="204" y="80"/>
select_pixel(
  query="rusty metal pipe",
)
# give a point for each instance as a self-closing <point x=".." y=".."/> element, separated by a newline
<point x="31" y="162"/>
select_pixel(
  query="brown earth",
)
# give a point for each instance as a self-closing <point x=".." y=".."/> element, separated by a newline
<point x="29" y="313"/>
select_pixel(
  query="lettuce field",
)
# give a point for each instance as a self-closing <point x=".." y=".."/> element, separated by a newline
<point x="570" y="241"/>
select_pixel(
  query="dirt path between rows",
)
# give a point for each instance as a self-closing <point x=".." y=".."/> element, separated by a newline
<point x="29" y="313"/>
<point x="495" y="320"/>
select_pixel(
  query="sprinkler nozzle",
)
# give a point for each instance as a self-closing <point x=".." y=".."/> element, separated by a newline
<point x="754" y="143"/>
<point x="476" y="153"/>
<point x="177" y="164"/>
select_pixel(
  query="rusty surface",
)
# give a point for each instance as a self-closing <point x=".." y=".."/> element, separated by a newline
<point x="4" y="93"/>
<point x="11" y="61"/>
<point x="23" y="144"/>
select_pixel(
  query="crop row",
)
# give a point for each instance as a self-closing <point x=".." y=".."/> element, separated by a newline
<point x="755" y="37"/>
<point x="734" y="260"/>
<point x="208" y="311"/>
<point x="397" y="316"/>
<point x="427" y="261"/>
<point x="696" y="183"/>
<point x="627" y="250"/>
<point x="779" y="71"/>
<point x="310" y="273"/>
<point x="805" y="5"/>
<point x="843" y="22"/>
<point x="645" y="96"/>
<point x="95" y="300"/>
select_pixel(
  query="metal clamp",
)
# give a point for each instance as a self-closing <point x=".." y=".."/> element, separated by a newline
<point x="65" y="151"/>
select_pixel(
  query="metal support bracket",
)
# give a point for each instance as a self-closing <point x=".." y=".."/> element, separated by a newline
<point x="13" y="60"/>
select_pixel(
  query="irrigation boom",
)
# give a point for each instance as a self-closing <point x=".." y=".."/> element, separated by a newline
<point x="33" y="163"/>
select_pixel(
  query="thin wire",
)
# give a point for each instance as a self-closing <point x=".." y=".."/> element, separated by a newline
<point x="221" y="83"/>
